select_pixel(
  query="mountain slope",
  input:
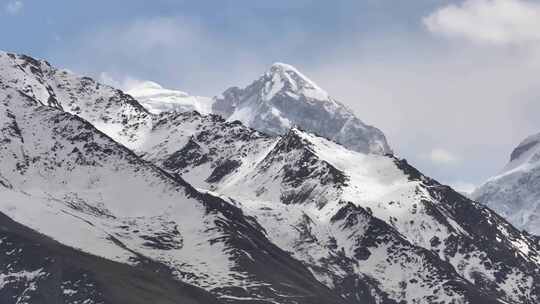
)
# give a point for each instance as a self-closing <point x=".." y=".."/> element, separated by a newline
<point x="65" y="179"/>
<point x="283" y="98"/>
<point x="41" y="270"/>
<point x="358" y="214"/>
<point x="370" y="227"/>
<point x="515" y="192"/>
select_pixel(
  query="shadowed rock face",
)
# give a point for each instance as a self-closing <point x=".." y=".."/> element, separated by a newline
<point x="284" y="98"/>
<point x="515" y="192"/>
<point x="36" y="269"/>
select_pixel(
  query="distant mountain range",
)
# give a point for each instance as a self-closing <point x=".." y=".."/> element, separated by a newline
<point x="279" y="100"/>
<point x="282" y="195"/>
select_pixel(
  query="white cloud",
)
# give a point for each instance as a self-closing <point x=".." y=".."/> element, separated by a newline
<point x="125" y="83"/>
<point x="499" y="22"/>
<point x="442" y="156"/>
<point x="108" y="79"/>
<point x="478" y="100"/>
<point x="14" y="7"/>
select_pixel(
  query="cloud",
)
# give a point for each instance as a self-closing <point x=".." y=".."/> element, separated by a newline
<point x="500" y="22"/>
<point x="107" y="79"/>
<point x="14" y="7"/>
<point x="442" y="156"/>
<point x="422" y="93"/>
<point x="175" y="51"/>
<point x="125" y="83"/>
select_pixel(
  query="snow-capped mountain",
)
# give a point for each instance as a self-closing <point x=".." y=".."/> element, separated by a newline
<point x="65" y="179"/>
<point x="279" y="100"/>
<point x="158" y="99"/>
<point x="283" y="98"/>
<point x="515" y="192"/>
<point x="354" y="217"/>
<point x="246" y="216"/>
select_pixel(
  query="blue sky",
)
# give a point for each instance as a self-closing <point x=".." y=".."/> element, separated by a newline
<point x="303" y="32"/>
<point x="452" y="83"/>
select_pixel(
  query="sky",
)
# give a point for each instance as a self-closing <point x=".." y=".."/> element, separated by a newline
<point x="453" y="84"/>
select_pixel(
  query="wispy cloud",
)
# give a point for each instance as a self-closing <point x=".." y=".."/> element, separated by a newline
<point x="488" y="21"/>
<point x="14" y="7"/>
<point x="175" y="51"/>
<point x="442" y="156"/>
<point x="422" y="92"/>
<point x="125" y="83"/>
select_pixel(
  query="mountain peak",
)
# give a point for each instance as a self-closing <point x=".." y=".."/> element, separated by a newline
<point x="157" y="99"/>
<point x="525" y="155"/>
<point x="514" y="192"/>
<point x="284" y="97"/>
<point x="285" y="68"/>
<point x="525" y="148"/>
<point x="282" y="66"/>
<point x="285" y="78"/>
<point x="147" y="84"/>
